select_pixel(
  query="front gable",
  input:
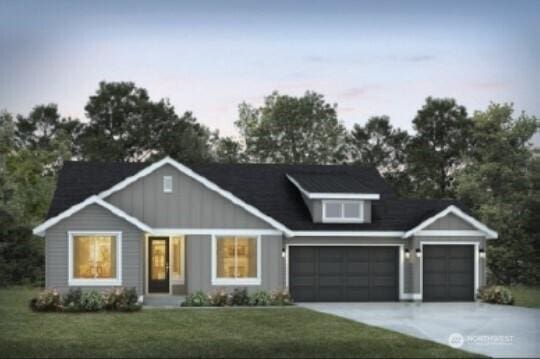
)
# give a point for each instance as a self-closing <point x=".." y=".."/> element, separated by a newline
<point x="188" y="205"/>
<point x="450" y="222"/>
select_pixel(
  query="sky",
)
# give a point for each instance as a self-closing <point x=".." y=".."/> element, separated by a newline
<point x="371" y="58"/>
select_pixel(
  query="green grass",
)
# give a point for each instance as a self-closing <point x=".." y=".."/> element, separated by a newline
<point x="209" y="333"/>
<point x="526" y="296"/>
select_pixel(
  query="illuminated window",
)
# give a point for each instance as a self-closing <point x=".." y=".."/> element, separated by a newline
<point x="94" y="258"/>
<point x="177" y="259"/>
<point x="237" y="260"/>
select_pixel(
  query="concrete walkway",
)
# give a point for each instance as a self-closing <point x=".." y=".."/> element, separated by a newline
<point x="494" y="330"/>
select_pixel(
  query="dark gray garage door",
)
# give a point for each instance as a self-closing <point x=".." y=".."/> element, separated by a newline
<point x="343" y="274"/>
<point x="448" y="273"/>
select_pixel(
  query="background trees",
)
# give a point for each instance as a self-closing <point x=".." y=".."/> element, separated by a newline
<point x="484" y="160"/>
<point x="290" y="129"/>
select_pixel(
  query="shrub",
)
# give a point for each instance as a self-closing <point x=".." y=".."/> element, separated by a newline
<point x="220" y="298"/>
<point x="280" y="297"/>
<point x="496" y="295"/>
<point x="121" y="299"/>
<point x="72" y="299"/>
<point x="240" y="297"/>
<point x="91" y="301"/>
<point x="197" y="299"/>
<point x="260" y="297"/>
<point x="47" y="300"/>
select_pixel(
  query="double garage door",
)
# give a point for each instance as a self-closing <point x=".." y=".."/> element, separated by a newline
<point x="344" y="274"/>
<point x="356" y="274"/>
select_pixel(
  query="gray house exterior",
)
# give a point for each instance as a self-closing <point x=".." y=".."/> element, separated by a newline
<point x="325" y="233"/>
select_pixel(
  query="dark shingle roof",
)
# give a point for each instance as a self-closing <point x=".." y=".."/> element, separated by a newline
<point x="338" y="182"/>
<point x="264" y="186"/>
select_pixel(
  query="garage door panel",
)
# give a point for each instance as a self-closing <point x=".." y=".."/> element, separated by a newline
<point x="434" y="278"/>
<point x="330" y="267"/>
<point x="357" y="294"/>
<point x="357" y="281"/>
<point x="331" y="294"/>
<point x="448" y="273"/>
<point x="345" y="273"/>
<point x="354" y="267"/>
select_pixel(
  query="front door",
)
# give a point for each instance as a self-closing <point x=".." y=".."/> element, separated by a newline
<point x="158" y="264"/>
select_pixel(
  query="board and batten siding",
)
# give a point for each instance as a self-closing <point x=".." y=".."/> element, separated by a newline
<point x="450" y="222"/>
<point x="199" y="264"/>
<point x="189" y="205"/>
<point x="93" y="218"/>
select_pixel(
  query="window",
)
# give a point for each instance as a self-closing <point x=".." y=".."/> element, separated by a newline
<point x="236" y="260"/>
<point x="177" y="260"/>
<point x="94" y="258"/>
<point x="167" y="184"/>
<point x="343" y="211"/>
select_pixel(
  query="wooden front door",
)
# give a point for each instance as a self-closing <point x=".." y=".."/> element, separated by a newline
<point x="158" y="264"/>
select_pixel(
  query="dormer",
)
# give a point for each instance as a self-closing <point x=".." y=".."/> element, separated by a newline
<point x="334" y="198"/>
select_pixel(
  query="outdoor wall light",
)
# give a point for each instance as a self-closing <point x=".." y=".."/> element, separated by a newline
<point x="418" y="253"/>
<point x="407" y="253"/>
<point x="282" y="252"/>
<point x="482" y="253"/>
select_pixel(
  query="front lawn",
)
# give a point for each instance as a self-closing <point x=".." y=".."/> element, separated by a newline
<point x="526" y="296"/>
<point x="230" y="333"/>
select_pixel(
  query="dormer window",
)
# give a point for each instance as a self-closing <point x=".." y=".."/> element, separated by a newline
<point x="167" y="184"/>
<point x="343" y="211"/>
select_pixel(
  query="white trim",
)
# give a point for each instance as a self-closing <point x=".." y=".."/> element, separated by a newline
<point x="235" y="281"/>
<point x="412" y="296"/>
<point x="325" y="195"/>
<point x="214" y="231"/>
<point x="167" y="184"/>
<point x="205" y="182"/>
<point x="397" y="234"/>
<point x="489" y="233"/>
<point x="475" y="245"/>
<point x="401" y="258"/>
<point x="449" y="233"/>
<point x="95" y="282"/>
<point x="40" y="230"/>
<point x="343" y="219"/>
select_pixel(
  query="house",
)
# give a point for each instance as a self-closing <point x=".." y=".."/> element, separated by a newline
<point x="326" y="233"/>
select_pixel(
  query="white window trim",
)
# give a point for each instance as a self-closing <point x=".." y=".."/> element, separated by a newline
<point x="343" y="219"/>
<point x="167" y="184"/>
<point x="95" y="282"/>
<point x="235" y="281"/>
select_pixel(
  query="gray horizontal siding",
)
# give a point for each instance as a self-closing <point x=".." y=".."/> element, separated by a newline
<point x="93" y="218"/>
<point x="190" y="205"/>
<point x="199" y="266"/>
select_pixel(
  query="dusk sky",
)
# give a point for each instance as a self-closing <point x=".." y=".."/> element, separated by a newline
<point x="371" y="58"/>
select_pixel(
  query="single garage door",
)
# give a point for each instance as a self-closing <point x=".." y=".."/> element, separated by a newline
<point x="343" y="274"/>
<point x="448" y="273"/>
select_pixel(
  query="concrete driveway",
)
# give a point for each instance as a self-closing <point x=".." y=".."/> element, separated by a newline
<point x="493" y="330"/>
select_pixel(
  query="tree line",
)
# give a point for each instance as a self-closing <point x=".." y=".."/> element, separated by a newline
<point x="484" y="159"/>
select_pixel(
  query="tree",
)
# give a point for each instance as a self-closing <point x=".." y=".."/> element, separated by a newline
<point x="21" y="254"/>
<point x="436" y="151"/>
<point x="500" y="182"/>
<point x="44" y="129"/>
<point x="290" y="129"/>
<point x="381" y="145"/>
<point x="125" y="125"/>
<point x="226" y="149"/>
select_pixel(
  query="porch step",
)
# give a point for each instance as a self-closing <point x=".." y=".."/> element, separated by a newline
<point x="163" y="300"/>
